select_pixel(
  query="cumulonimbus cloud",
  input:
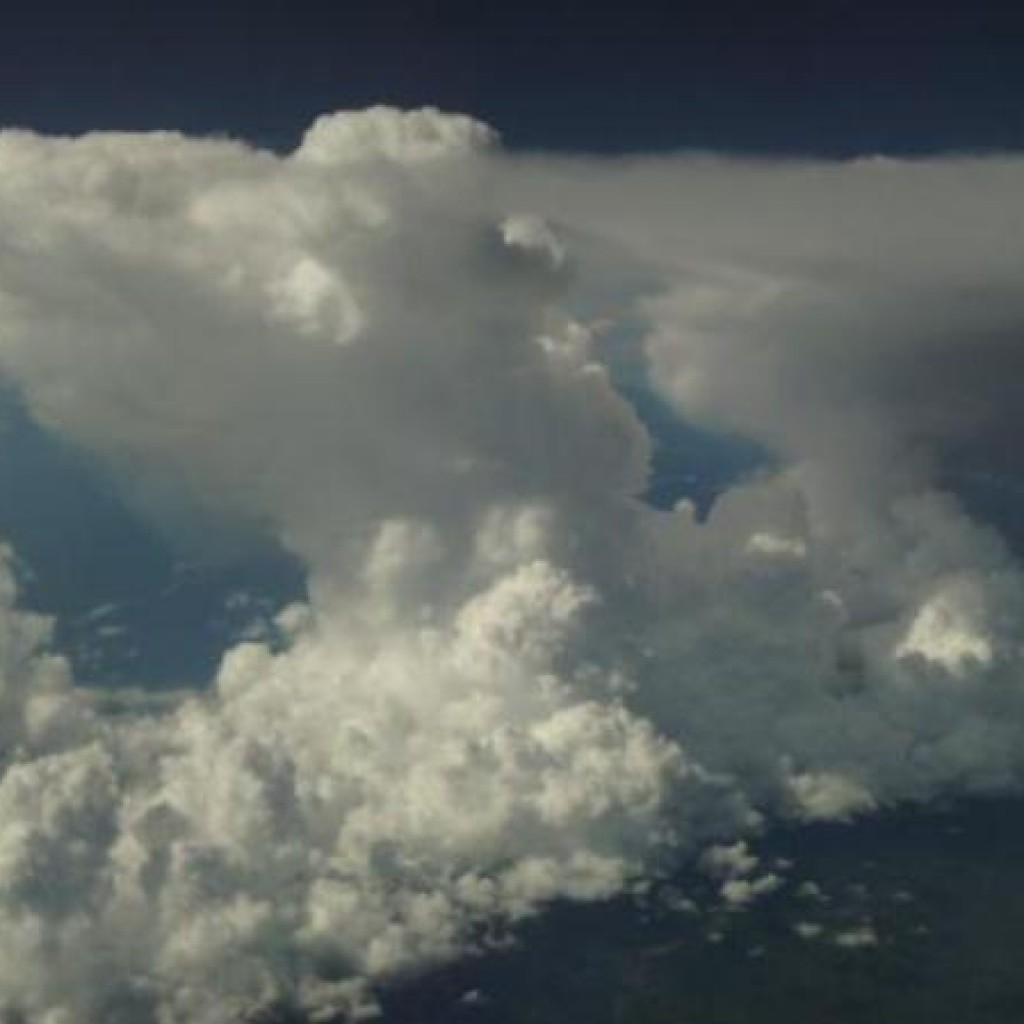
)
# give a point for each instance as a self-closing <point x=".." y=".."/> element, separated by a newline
<point x="513" y="681"/>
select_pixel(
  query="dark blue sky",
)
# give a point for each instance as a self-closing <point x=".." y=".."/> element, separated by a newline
<point x="832" y="77"/>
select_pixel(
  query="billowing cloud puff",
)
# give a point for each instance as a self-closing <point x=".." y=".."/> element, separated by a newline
<point x="512" y="681"/>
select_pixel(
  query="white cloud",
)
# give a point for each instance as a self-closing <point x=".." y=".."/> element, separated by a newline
<point x="728" y="861"/>
<point x="513" y="682"/>
<point x="862" y="937"/>
<point x="741" y="892"/>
